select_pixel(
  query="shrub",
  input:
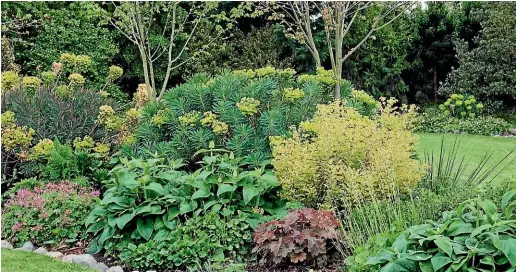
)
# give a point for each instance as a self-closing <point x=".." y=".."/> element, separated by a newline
<point x="59" y="108"/>
<point x="433" y="120"/>
<point x="475" y="236"/>
<point x="341" y="156"/>
<point x="51" y="213"/>
<point x="147" y="199"/>
<point x="303" y="235"/>
<point x="201" y="240"/>
<point x="461" y="106"/>
<point x="246" y="107"/>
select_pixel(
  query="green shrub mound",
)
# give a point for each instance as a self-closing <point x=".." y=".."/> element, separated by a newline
<point x="236" y="111"/>
<point x="477" y="236"/>
<point x="434" y="120"/>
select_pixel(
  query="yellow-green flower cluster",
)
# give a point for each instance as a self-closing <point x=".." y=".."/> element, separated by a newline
<point x="10" y="80"/>
<point x="160" y="118"/>
<point x="41" y="149"/>
<point x="31" y="82"/>
<point x="76" y="79"/>
<point x="247" y="73"/>
<point x="115" y="72"/>
<point x="265" y="71"/>
<point x="219" y="128"/>
<point x="8" y="119"/>
<point x="104" y="94"/>
<point x="132" y="116"/>
<point x="322" y="76"/>
<point x="363" y="97"/>
<point x="208" y="118"/>
<point x="13" y="136"/>
<point x="75" y="63"/>
<point x="62" y="91"/>
<point x="248" y="106"/>
<point x="292" y="94"/>
<point x="286" y="72"/>
<point x="461" y="106"/>
<point x="102" y="149"/>
<point x="48" y="77"/>
<point x="108" y="118"/>
<point x="84" y="144"/>
<point x="189" y="119"/>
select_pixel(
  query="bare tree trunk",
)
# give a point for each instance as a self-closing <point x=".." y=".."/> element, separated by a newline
<point x="435" y="84"/>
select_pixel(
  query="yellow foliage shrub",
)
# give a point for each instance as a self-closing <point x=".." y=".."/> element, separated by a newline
<point x="342" y="157"/>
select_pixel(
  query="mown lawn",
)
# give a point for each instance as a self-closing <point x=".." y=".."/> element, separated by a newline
<point x="24" y="261"/>
<point x="474" y="147"/>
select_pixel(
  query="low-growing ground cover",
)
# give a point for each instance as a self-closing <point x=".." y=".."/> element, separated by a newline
<point x="23" y="261"/>
<point x="474" y="147"/>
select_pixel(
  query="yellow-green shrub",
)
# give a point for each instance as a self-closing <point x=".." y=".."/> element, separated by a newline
<point x="342" y="157"/>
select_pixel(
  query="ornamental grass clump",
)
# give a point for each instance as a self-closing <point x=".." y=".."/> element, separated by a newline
<point x="341" y="156"/>
<point x="51" y="213"/>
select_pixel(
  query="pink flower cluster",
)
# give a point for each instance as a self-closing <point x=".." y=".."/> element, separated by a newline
<point x="62" y="190"/>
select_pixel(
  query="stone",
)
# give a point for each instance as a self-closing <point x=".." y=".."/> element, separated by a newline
<point x="7" y="245"/>
<point x="55" y="254"/>
<point x="28" y="246"/>
<point x="456" y="131"/>
<point x="68" y="258"/>
<point x="115" y="269"/>
<point x="512" y="131"/>
<point x="102" y="267"/>
<point x="85" y="259"/>
<point x="41" y="250"/>
<point x="22" y="249"/>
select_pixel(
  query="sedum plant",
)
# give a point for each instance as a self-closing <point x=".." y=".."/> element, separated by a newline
<point x="477" y="236"/>
<point x="341" y="156"/>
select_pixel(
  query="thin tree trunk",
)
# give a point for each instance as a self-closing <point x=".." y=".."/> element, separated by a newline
<point x="435" y="84"/>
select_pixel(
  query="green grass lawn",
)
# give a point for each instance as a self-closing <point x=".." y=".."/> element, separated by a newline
<point x="24" y="261"/>
<point x="473" y="147"/>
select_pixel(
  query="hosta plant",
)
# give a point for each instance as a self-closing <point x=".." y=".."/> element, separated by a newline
<point x="147" y="199"/>
<point x="477" y="236"/>
<point x="304" y="234"/>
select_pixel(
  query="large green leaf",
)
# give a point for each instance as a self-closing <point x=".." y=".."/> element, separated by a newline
<point x="439" y="261"/>
<point x="106" y="234"/>
<point x="128" y="180"/>
<point x="459" y="227"/>
<point x="224" y="188"/>
<point x="444" y="243"/>
<point x="400" y="244"/>
<point x="508" y="247"/>
<point x="94" y="247"/>
<point x="201" y="193"/>
<point x="156" y="187"/>
<point x="145" y="227"/>
<point x="124" y="219"/>
<point x="268" y="180"/>
<point x="249" y="192"/>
